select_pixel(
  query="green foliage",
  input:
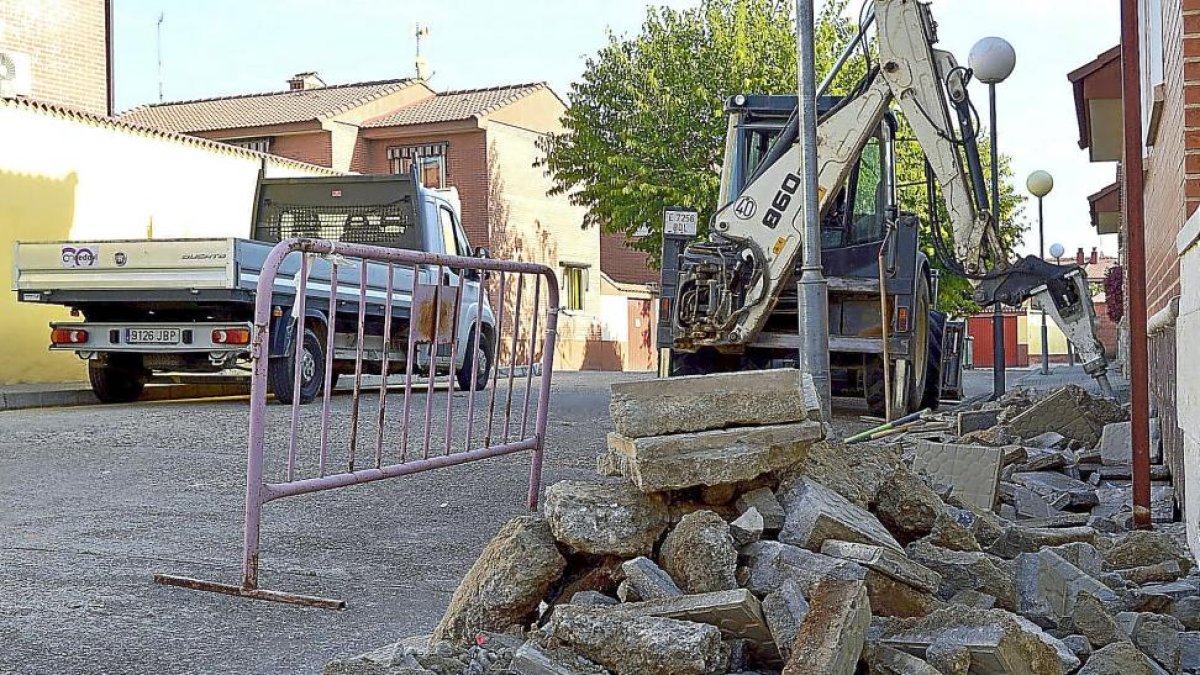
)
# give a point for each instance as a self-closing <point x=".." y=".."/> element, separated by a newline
<point x="645" y="129"/>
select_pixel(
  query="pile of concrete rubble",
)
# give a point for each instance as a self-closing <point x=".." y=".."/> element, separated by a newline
<point x="729" y="537"/>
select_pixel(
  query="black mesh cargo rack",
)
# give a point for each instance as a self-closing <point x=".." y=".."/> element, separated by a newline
<point x="375" y="210"/>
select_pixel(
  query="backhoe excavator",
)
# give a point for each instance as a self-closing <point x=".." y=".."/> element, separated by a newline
<point x="729" y="301"/>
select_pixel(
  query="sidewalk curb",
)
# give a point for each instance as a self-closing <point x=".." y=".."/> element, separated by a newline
<point x="59" y="398"/>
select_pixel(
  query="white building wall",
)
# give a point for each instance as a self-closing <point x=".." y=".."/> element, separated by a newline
<point x="1187" y="388"/>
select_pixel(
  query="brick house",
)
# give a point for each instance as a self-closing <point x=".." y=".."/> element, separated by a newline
<point x="67" y="47"/>
<point x="1169" y="46"/>
<point x="481" y="142"/>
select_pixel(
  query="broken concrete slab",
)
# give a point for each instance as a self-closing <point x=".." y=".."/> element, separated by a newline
<point x="737" y="613"/>
<point x="1116" y="443"/>
<point x="767" y="565"/>
<point x="1051" y="486"/>
<point x="679" y="461"/>
<point x="592" y="598"/>
<point x="747" y="528"/>
<point x="1045" y="577"/>
<point x="815" y="513"/>
<point x="530" y="659"/>
<point x="1047" y="440"/>
<point x="641" y="644"/>
<point x="763" y="500"/>
<point x="1189" y="644"/>
<point x="1145" y="547"/>
<point x="1158" y="637"/>
<point x="976" y="420"/>
<point x="892" y="598"/>
<point x="949" y="533"/>
<point x="1029" y="504"/>
<point x="1018" y="539"/>
<point x="965" y="570"/>
<point x="505" y="585"/>
<point x="647" y="580"/>
<point x="677" y="405"/>
<point x="885" y="660"/>
<point x="949" y="657"/>
<point x="999" y="642"/>
<point x="1063" y="519"/>
<point x="699" y="554"/>
<point x="1158" y="573"/>
<point x="972" y="471"/>
<point x="604" y="517"/>
<point x="1070" y="411"/>
<point x="973" y="599"/>
<point x="1187" y="610"/>
<point x="907" y="506"/>
<point x="1082" y="554"/>
<point x="1119" y="658"/>
<point x="831" y="636"/>
<point x="885" y="561"/>
<point x="784" y="610"/>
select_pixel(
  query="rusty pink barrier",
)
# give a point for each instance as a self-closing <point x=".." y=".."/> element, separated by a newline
<point x="423" y="323"/>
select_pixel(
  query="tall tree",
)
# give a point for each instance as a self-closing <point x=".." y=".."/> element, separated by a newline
<point x="645" y="129"/>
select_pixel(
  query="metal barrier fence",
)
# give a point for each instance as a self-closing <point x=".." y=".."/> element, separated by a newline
<point x="438" y="321"/>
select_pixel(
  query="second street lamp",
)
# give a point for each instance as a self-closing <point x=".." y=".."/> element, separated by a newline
<point x="1040" y="183"/>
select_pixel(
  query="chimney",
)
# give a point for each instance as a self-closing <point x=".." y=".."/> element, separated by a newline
<point x="1080" y="258"/>
<point x="1095" y="256"/>
<point x="302" y="81"/>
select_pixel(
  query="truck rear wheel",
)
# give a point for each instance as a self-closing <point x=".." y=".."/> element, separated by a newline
<point x="918" y="370"/>
<point x="281" y="374"/>
<point x="117" y="378"/>
<point x="478" y="360"/>
<point x="933" y="368"/>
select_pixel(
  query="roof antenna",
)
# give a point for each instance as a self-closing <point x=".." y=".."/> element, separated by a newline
<point x="421" y="64"/>
<point x="159" y="48"/>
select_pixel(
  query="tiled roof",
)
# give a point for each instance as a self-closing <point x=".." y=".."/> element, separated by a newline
<point x="256" y="110"/>
<point x="622" y="264"/>
<point x="450" y="106"/>
<point x="84" y="117"/>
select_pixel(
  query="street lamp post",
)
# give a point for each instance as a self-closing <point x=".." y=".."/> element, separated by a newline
<point x="1040" y="183"/>
<point x="992" y="60"/>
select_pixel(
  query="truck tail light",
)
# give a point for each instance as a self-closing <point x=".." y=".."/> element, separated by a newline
<point x="664" y="308"/>
<point x="231" y="336"/>
<point x="902" y="320"/>
<point x="68" y="336"/>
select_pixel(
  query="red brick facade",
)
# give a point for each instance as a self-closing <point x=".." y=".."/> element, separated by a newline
<point x="68" y="45"/>
<point x="623" y="264"/>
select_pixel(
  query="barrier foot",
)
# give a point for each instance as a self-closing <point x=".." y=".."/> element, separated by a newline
<point x="253" y="593"/>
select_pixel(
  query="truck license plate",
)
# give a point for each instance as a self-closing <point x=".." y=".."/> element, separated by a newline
<point x="152" y="336"/>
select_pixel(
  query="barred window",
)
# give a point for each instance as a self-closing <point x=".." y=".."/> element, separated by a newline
<point x="256" y="144"/>
<point x="430" y="157"/>
<point x="575" y="284"/>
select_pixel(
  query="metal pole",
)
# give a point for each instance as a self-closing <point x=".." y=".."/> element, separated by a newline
<point x="1042" y="255"/>
<point x="997" y="313"/>
<point x="812" y="289"/>
<point x="1139" y="382"/>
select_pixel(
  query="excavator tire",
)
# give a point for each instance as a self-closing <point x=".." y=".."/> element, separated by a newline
<point x="933" y="364"/>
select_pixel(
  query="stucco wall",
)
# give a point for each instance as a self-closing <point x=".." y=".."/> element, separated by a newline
<point x="71" y="177"/>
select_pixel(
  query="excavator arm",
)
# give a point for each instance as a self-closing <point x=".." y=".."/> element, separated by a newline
<point x="730" y="284"/>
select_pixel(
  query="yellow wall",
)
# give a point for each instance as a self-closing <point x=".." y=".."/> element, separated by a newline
<point x="77" y="177"/>
<point x="1055" y="338"/>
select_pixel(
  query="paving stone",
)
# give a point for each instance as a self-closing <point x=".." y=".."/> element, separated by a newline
<point x="1029" y="504"/>
<point x="507" y="582"/>
<point x="815" y="513"/>
<point x="1158" y="573"/>
<point x="976" y="420"/>
<point x="964" y="570"/>
<point x="1092" y="619"/>
<point x="641" y="644"/>
<point x="999" y="642"/>
<point x="1046" y="577"/>
<point x="1070" y="411"/>
<point x="1116" y="443"/>
<point x="766" y="565"/>
<point x="1119" y="658"/>
<point x="747" y="528"/>
<point x="885" y="660"/>
<point x="604" y="517"/>
<point x="676" y="405"/>
<point x="1051" y="486"/>
<point x="885" y="561"/>
<point x="831" y="636"/>
<point x="764" y="501"/>
<point x="647" y="580"/>
<point x="678" y="461"/>
<point x="784" y="610"/>
<point x="1158" y="637"/>
<point x="530" y="659"/>
<point x="737" y="613"/>
<point x="699" y="554"/>
<point x="972" y="471"/>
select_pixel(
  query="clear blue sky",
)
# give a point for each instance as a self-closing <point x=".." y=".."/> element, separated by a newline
<point x="222" y="47"/>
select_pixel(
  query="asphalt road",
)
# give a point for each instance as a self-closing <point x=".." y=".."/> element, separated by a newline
<point x="95" y="500"/>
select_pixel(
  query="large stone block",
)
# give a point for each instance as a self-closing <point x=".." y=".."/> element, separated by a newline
<point x="1070" y="411"/>
<point x="764" y="501"/>
<point x="647" y="580"/>
<point x="1120" y="658"/>
<point x="1059" y="490"/>
<point x="815" y="513"/>
<point x="505" y="585"/>
<point x="1045" y="580"/>
<point x="966" y="571"/>
<point x="784" y="610"/>
<point x="737" y="613"/>
<point x="886" y="561"/>
<point x="641" y="644"/>
<point x="767" y="565"/>
<point x="702" y="402"/>
<point x="699" y="555"/>
<point x="885" y="660"/>
<point x="608" y="517"/>
<point x="679" y="461"/>
<point x="1116" y="443"/>
<point x="971" y="471"/>
<point x="830" y="640"/>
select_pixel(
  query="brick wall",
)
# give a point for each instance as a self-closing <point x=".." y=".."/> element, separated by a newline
<point x="66" y="40"/>
<point x="1165" y="166"/>
<point x="314" y="148"/>
<point x="466" y="170"/>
